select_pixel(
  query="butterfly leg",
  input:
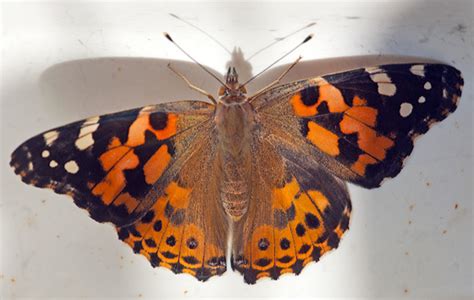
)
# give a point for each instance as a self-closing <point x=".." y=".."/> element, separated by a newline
<point x="276" y="81"/>
<point x="192" y="86"/>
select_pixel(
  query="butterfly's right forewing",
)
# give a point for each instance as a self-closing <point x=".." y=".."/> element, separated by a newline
<point x="361" y="124"/>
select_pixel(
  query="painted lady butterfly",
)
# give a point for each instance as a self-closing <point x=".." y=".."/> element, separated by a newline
<point x="178" y="179"/>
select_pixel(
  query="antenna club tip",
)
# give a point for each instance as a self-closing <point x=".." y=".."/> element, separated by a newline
<point x="167" y="36"/>
<point x="308" y="38"/>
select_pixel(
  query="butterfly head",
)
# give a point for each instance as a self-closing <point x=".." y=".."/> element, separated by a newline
<point x="232" y="91"/>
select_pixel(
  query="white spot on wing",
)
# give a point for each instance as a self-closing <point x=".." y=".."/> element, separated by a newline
<point x="148" y="108"/>
<point x="405" y="109"/>
<point x="384" y="83"/>
<point x="422" y="99"/>
<point x="380" y="77"/>
<point x="50" y="137"/>
<point x="45" y="153"/>
<point x="445" y="93"/>
<point x="387" y="89"/>
<point x="372" y="70"/>
<point x="427" y="85"/>
<point x="84" y="142"/>
<point x="85" y="139"/>
<point x="30" y="166"/>
<point x="53" y="164"/>
<point x="418" y="70"/>
<point x="91" y="121"/>
<point x="71" y="167"/>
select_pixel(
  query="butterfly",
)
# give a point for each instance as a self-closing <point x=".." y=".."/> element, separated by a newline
<point x="266" y="172"/>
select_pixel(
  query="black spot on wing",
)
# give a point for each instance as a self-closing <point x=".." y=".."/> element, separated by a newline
<point x="309" y="95"/>
<point x="148" y="217"/>
<point x="113" y="125"/>
<point x="159" y="120"/>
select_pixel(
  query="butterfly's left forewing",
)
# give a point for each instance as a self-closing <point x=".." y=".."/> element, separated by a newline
<point x="137" y="170"/>
<point x="361" y="124"/>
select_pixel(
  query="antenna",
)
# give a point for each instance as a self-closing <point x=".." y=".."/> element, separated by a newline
<point x="277" y="40"/>
<point x="207" y="34"/>
<point x="309" y="37"/>
<point x="202" y="67"/>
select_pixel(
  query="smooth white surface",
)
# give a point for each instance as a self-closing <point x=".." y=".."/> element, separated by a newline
<point x="407" y="239"/>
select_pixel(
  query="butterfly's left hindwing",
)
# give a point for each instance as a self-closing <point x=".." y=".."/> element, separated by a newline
<point x="137" y="170"/>
<point x="362" y="123"/>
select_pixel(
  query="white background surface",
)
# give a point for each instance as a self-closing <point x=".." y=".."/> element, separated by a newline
<point x="406" y="238"/>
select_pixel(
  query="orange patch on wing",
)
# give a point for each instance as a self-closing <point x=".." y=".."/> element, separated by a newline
<point x="147" y="229"/>
<point x="170" y="128"/>
<point x="328" y="93"/>
<point x="361" y="164"/>
<point x="192" y="248"/>
<point x="364" y="114"/>
<point x="111" y="157"/>
<point x="357" y="101"/>
<point x="319" y="199"/>
<point x="284" y="258"/>
<point x="304" y="205"/>
<point x="368" y="139"/>
<point x="126" y="199"/>
<point x="262" y="257"/>
<point x="170" y="244"/>
<point x="178" y="197"/>
<point x="136" y="132"/>
<point x="283" y="198"/>
<point x="114" y="142"/>
<point x="115" y="181"/>
<point x="322" y="138"/>
<point x="300" y="108"/>
<point x="333" y="97"/>
<point x="157" y="163"/>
